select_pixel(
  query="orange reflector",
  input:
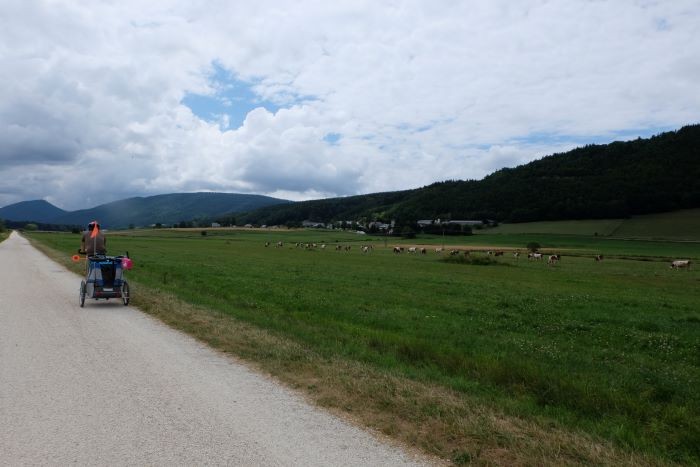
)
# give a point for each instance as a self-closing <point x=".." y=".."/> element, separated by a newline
<point x="75" y="258"/>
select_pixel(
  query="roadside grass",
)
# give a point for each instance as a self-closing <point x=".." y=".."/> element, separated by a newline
<point x="674" y="226"/>
<point x="577" y="363"/>
<point x="4" y="234"/>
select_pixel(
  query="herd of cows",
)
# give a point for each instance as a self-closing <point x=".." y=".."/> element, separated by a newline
<point x="551" y="259"/>
<point x="532" y="256"/>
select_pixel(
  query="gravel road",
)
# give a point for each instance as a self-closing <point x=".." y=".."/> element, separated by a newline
<point x="108" y="385"/>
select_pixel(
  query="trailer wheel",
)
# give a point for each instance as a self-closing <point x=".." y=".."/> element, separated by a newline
<point x="83" y="291"/>
<point x="125" y="293"/>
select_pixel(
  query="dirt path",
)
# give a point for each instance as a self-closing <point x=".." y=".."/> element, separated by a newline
<point x="108" y="385"/>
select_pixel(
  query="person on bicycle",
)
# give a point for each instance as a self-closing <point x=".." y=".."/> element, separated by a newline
<point x="93" y="241"/>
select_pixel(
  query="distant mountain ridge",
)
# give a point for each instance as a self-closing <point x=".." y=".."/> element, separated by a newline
<point x="36" y="210"/>
<point x="643" y="176"/>
<point x="141" y="211"/>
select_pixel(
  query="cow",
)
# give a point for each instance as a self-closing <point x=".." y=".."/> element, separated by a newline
<point x="535" y="256"/>
<point x="466" y="253"/>
<point x="680" y="264"/>
<point x="553" y="259"/>
<point x="599" y="257"/>
<point x="454" y="252"/>
<point x="397" y="250"/>
<point x="412" y="249"/>
<point x="438" y="250"/>
<point x="498" y="253"/>
<point x="516" y="255"/>
<point x="365" y="249"/>
<point x="338" y="247"/>
<point x="267" y="244"/>
<point x="323" y="246"/>
<point x="423" y="251"/>
<point x="280" y="244"/>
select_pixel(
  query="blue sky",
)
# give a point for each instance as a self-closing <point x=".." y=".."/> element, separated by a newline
<point x="552" y="139"/>
<point x="230" y="97"/>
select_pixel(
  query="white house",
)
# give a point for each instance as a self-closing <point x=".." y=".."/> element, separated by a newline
<point x="426" y="222"/>
<point x="311" y="224"/>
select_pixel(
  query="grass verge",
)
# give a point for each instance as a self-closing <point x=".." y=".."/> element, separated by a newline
<point x="432" y="418"/>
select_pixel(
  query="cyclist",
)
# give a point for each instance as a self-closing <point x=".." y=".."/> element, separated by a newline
<point x="93" y="241"/>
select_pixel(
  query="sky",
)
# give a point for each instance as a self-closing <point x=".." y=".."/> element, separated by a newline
<point x="105" y="100"/>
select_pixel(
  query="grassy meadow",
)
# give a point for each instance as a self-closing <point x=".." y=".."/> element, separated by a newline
<point x="677" y="225"/>
<point x="602" y="227"/>
<point x="604" y="354"/>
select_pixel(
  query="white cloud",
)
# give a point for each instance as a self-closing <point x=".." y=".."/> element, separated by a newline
<point x="417" y="91"/>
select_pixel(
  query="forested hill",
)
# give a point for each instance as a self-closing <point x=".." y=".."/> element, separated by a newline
<point x="658" y="174"/>
<point x="36" y="210"/>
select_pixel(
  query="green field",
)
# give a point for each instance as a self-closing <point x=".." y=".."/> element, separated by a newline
<point x="677" y="225"/>
<point x="680" y="225"/>
<point x="602" y="227"/>
<point x="610" y="350"/>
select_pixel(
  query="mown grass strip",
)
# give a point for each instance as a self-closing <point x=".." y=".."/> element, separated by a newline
<point x="440" y="421"/>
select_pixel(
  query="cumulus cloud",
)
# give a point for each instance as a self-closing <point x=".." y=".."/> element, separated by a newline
<point x="93" y="103"/>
